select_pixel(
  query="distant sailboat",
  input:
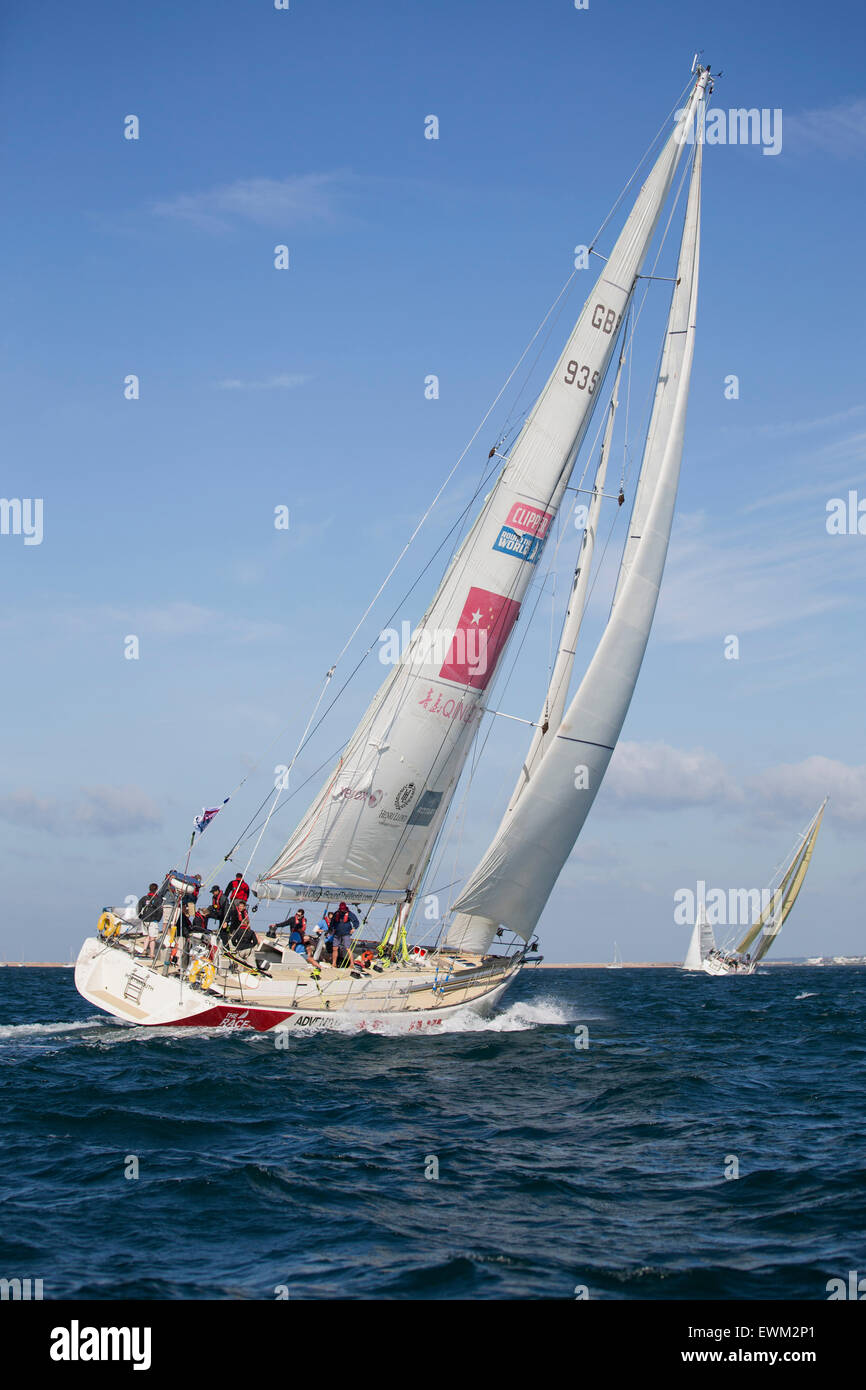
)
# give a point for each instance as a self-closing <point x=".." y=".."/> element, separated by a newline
<point x="616" y="963"/>
<point x="369" y="835"/>
<point x="702" y="942"/>
<point x="743" y="960"/>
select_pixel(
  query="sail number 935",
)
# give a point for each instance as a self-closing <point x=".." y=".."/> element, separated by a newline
<point x="577" y="375"/>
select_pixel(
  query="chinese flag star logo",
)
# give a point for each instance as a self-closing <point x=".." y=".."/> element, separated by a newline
<point x="481" y="633"/>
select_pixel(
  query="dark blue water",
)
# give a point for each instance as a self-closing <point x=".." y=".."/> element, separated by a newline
<point x="558" y="1167"/>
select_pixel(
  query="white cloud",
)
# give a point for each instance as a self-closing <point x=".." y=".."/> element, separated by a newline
<point x="802" y="786"/>
<point x="839" y="130"/>
<point x="286" y="381"/>
<point x="174" y="621"/>
<point x="659" y="777"/>
<point x="787" y="428"/>
<point x="100" y="811"/>
<point x="725" y="581"/>
<point x="278" y="203"/>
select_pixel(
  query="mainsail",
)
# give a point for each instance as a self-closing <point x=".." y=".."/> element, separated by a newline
<point x="773" y="918"/>
<point x="513" y="881"/>
<point x="368" y="834"/>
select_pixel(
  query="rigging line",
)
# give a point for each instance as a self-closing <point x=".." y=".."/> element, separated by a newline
<point x="550" y="631"/>
<point x="686" y="172"/>
<point x="486" y="474"/>
<point x="551" y="564"/>
<point x="481" y="744"/>
<point x="567" y="468"/>
<point x="315" y="773"/>
<point x="626" y="345"/>
<point x="560" y="296"/>
<point x="360" y="663"/>
<point x="566" y="290"/>
<point x="418" y="527"/>
<point x="454" y="822"/>
<point x="646" y="409"/>
<point x="799" y="842"/>
<point x="626" y="421"/>
<point x="513" y="426"/>
<point x="640" y="163"/>
<point x="478" y="489"/>
<point x="510" y="421"/>
<point x="450" y="475"/>
<point x="635" y="319"/>
<point x="284" y="780"/>
<point x="634" y="324"/>
<point x="598" y="567"/>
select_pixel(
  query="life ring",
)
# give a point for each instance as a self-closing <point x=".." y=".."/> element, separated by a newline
<point x="108" y="925"/>
<point x="203" y="972"/>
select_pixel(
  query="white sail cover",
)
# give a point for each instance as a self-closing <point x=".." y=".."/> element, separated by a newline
<point x="513" y="881"/>
<point x="368" y="834"/>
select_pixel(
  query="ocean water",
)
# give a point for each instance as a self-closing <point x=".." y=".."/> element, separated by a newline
<point x="559" y="1167"/>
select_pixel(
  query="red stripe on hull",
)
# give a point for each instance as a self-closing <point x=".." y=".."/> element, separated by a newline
<point x="222" y="1016"/>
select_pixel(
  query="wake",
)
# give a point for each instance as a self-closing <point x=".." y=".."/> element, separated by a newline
<point x="12" y="1031"/>
<point x="520" y="1017"/>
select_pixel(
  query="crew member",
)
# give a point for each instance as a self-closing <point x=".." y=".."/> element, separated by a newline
<point x="343" y="924"/>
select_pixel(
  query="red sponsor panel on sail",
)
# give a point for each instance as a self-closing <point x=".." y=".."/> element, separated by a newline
<point x="481" y="633"/>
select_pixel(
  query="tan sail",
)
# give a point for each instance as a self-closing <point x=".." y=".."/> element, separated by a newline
<point x="801" y="864"/>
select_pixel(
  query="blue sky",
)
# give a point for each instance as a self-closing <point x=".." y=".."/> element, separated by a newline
<point x="306" y="388"/>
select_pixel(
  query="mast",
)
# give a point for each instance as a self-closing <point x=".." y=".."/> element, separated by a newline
<point x="514" y="879"/>
<point x="368" y="833"/>
<point x="557" y="691"/>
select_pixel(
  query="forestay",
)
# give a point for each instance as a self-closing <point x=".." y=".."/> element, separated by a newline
<point x="516" y="876"/>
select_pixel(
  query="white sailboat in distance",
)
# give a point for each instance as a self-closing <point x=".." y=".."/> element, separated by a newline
<point x="745" y="958"/>
<point x="702" y="942"/>
<point x="368" y="836"/>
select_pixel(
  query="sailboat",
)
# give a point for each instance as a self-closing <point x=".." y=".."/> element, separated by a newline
<point x="368" y="836"/>
<point x="702" y="942"/>
<point x="616" y="963"/>
<point x="745" y="958"/>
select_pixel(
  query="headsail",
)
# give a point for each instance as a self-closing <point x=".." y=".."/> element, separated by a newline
<point x="512" y="883"/>
<point x="701" y="943"/>
<point x="368" y="834"/>
<point x="772" y="920"/>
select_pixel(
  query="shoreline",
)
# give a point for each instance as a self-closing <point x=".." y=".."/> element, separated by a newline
<point x="542" y="965"/>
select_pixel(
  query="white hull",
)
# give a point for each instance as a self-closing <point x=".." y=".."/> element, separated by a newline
<point x="401" y="999"/>
<point x="713" y="966"/>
